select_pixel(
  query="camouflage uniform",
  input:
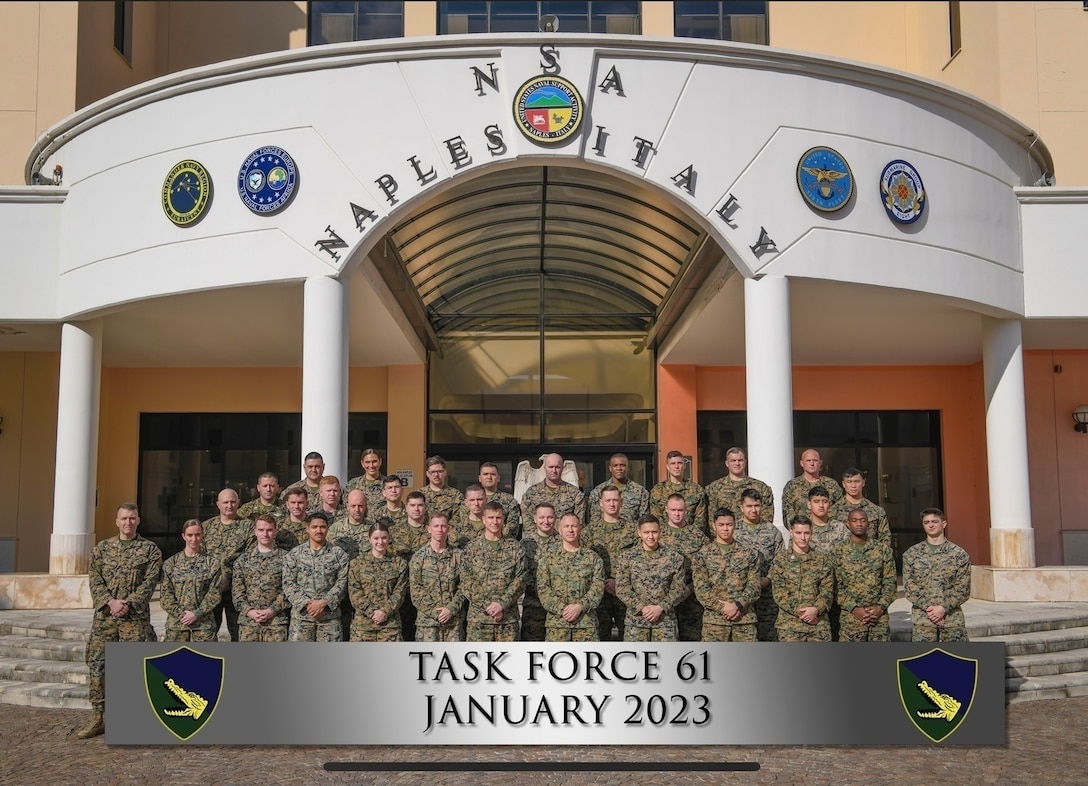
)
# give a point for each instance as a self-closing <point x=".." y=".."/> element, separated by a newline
<point x="864" y="576"/>
<point x="694" y="497"/>
<point x="258" y="584"/>
<point x="566" y="498"/>
<point x="126" y="570"/>
<point x="354" y="539"/>
<point x="726" y="573"/>
<point x="398" y="516"/>
<point x="254" y="508"/>
<point x="513" y="526"/>
<point x="434" y="579"/>
<point x="315" y="575"/>
<point x="650" y="578"/>
<point x="686" y="541"/>
<point x="565" y="577"/>
<point x="799" y="580"/>
<point x="795" y="496"/>
<point x="226" y="540"/>
<point x="825" y="537"/>
<point x="190" y="584"/>
<point x="371" y="488"/>
<point x="464" y="529"/>
<point x="937" y="576"/>
<point x="445" y="500"/>
<point x="766" y="541"/>
<point x="533" y="616"/>
<point x="725" y="493"/>
<point x="634" y="501"/>
<point x="294" y="529"/>
<point x="377" y="583"/>
<point x="879" y="529"/>
<point x="609" y="541"/>
<point x="493" y="571"/>
<point x="313" y="497"/>
<point x="404" y="541"/>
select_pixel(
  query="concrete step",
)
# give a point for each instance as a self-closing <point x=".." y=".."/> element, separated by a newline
<point x="1057" y="686"/>
<point x="38" y="648"/>
<point x="39" y="694"/>
<point x="1047" y="664"/>
<point x="33" y="670"/>
<point x="42" y="628"/>
<point x="1041" y="641"/>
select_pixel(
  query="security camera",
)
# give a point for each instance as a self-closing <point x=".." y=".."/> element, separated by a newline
<point x="549" y="23"/>
<point x="1045" y="179"/>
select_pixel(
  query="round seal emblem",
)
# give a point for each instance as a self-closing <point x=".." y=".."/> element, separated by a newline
<point x="267" y="180"/>
<point x="186" y="193"/>
<point x="548" y="109"/>
<point x="902" y="191"/>
<point x="824" y="179"/>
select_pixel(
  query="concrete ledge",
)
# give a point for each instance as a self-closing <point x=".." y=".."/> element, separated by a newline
<point x="44" y="591"/>
<point x="1049" y="584"/>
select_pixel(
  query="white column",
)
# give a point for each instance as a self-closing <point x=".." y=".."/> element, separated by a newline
<point x="1012" y="541"/>
<point x="74" y="489"/>
<point x="325" y="373"/>
<point x="769" y="383"/>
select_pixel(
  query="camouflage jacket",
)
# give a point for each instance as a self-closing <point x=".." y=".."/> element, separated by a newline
<point x="258" y="584"/>
<point x="937" y="576"/>
<point x="765" y="540"/>
<point x="800" y="580"/>
<point x="567" y="498"/>
<point x="650" y="578"/>
<point x="879" y="529"/>
<point x="315" y="575"/>
<point x="565" y="577"/>
<point x="686" y="541"/>
<point x="446" y="500"/>
<point x="694" y="497"/>
<point x="493" y="571"/>
<point x="864" y="574"/>
<point x="434" y="579"/>
<point x="725" y="493"/>
<point x="371" y="488"/>
<point x="825" y="537"/>
<point x="376" y="583"/>
<point x="226" y="540"/>
<point x="726" y="573"/>
<point x="634" y="501"/>
<point x="535" y="547"/>
<point x="125" y="572"/>
<point x="313" y="498"/>
<point x="406" y="539"/>
<point x="513" y="526"/>
<point x="292" y="529"/>
<point x="795" y="496"/>
<point x="254" y="508"/>
<point x="609" y="541"/>
<point x="354" y="539"/>
<point x="190" y="584"/>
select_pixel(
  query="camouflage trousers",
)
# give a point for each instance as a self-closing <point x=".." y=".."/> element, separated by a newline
<point x="821" y="631"/>
<point x="438" y="633"/>
<point x="390" y="631"/>
<point x="664" y="632"/>
<point x="852" y="629"/>
<point x="305" y="629"/>
<point x="570" y="634"/>
<point x="740" y="632"/>
<point x="251" y="631"/>
<point x="689" y="619"/>
<point x="766" y="617"/>
<point x="104" y="631"/>
<point x="611" y="613"/>
<point x="189" y="634"/>
<point x="488" y="631"/>
<point x="930" y="632"/>
<point x="226" y="609"/>
<point x="533" y="622"/>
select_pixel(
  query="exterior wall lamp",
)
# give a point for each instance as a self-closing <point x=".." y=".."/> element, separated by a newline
<point x="1080" y="418"/>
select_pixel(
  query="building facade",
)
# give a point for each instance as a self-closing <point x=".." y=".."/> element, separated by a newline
<point x="463" y="231"/>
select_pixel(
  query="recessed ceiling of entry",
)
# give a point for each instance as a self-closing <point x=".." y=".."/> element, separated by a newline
<point x="562" y="248"/>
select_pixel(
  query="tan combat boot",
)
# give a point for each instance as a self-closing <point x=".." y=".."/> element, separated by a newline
<point x="94" y="728"/>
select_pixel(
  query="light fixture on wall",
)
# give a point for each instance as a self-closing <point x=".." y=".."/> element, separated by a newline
<point x="1080" y="418"/>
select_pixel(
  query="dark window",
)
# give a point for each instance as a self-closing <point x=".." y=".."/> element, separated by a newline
<point x="187" y="458"/>
<point x="337" y="22"/>
<point x="619" y="17"/>
<point x="721" y="21"/>
<point x="122" y="29"/>
<point x="955" y="40"/>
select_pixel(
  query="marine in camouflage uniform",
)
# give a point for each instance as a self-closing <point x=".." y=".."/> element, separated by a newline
<point x="795" y="495"/>
<point x="313" y="495"/>
<point x="694" y="500"/>
<point x="825" y="537"/>
<point x="635" y="500"/>
<point x="726" y="573"/>
<point x="313" y="468"/>
<point x="879" y="529"/>
<point x="377" y="584"/>
<point x="936" y="574"/>
<point x="799" y="580"/>
<point x="371" y="487"/>
<point x="225" y="538"/>
<point x="533" y="615"/>
<point x="493" y="574"/>
<point x="434" y="579"/>
<point x="254" y="508"/>
<point x="565" y="498"/>
<point x="352" y="534"/>
<point x="190" y="583"/>
<point x="125" y="568"/>
<point x="570" y="574"/>
<point x="766" y="541"/>
<point x="725" y="493"/>
<point x="312" y="574"/>
<point x="258" y="585"/>
<point x="464" y="529"/>
<point x="864" y="578"/>
<point x="650" y="577"/>
<point x="610" y="536"/>
<point x="686" y="540"/>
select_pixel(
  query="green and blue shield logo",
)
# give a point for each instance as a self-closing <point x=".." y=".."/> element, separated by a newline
<point x="937" y="689"/>
<point x="183" y="687"/>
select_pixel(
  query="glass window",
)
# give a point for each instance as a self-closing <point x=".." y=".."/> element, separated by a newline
<point x="337" y="22"/>
<point x="721" y="21"/>
<point x="619" y="17"/>
<point x="122" y="29"/>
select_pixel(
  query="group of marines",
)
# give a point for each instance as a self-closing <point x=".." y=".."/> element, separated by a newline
<point x="675" y="562"/>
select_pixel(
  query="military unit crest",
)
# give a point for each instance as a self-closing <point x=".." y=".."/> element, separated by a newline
<point x="183" y="687"/>
<point x="936" y="689"/>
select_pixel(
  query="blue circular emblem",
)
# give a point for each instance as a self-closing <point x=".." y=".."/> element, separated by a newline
<point x="824" y="179"/>
<point x="186" y="193"/>
<point x="902" y="191"/>
<point x="267" y="180"/>
<point x="548" y="109"/>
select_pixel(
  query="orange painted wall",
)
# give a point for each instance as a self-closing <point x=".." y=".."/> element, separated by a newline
<point x="676" y="416"/>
